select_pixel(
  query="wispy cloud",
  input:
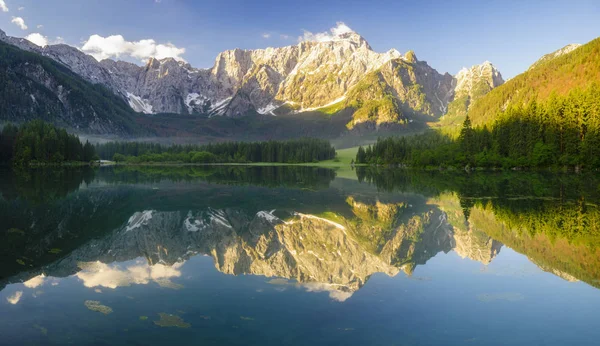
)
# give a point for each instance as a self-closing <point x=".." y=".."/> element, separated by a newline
<point x="266" y="35"/>
<point x="3" y="6"/>
<point x="20" y="22"/>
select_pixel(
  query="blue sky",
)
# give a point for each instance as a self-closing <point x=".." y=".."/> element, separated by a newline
<point x="447" y="34"/>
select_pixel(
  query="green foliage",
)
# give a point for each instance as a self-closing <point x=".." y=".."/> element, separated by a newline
<point x="202" y="157"/>
<point x="117" y="157"/>
<point x="38" y="141"/>
<point x="292" y="151"/>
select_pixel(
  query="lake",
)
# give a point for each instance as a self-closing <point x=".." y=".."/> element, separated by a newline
<point x="298" y="256"/>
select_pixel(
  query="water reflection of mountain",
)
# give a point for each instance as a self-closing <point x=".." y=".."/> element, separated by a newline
<point x="336" y="250"/>
<point x="328" y="238"/>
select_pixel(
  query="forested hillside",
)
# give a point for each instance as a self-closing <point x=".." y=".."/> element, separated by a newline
<point x="578" y="69"/>
<point x="564" y="131"/>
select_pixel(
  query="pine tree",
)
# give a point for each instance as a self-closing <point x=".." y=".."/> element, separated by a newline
<point x="360" y="155"/>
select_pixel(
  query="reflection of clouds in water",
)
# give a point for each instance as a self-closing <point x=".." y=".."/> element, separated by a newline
<point x="332" y="289"/>
<point x="14" y="299"/>
<point x="94" y="274"/>
<point x="36" y="281"/>
<point x="334" y="293"/>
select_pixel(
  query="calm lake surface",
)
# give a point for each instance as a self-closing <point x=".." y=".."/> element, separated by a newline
<point x="297" y="256"/>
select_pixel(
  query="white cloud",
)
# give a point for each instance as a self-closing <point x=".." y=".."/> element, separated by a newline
<point x="21" y="8"/>
<point x="40" y="26"/>
<point x="266" y="35"/>
<point x="14" y="299"/>
<point x="334" y="293"/>
<point x="3" y="6"/>
<point x="284" y="37"/>
<point x="115" y="46"/>
<point x="20" y="22"/>
<point x="38" y="39"/>
<point x="339" y="29"/>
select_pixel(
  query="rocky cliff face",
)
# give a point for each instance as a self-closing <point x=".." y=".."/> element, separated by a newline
<point x="343" y="72"/>
<point x="470" y="85"/>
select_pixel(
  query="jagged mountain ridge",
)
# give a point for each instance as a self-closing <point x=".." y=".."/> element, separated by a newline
<point x="301" y="77"/>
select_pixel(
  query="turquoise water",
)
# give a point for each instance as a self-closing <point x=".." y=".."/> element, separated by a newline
<point x="297" y="256"/>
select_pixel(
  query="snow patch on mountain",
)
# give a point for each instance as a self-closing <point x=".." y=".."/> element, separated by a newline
<point x="138" y="104"/>
<point x="268" y="109"/>
<point x="268" y="215"/>
<point x="193" y="100"/>
<point x="219" y="108"/>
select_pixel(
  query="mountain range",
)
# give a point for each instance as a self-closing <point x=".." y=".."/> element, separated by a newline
<point x="322" y="89"/>
<point x="342" y="73"/>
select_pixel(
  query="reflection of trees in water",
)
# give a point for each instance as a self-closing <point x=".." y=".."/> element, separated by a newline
<point x="552" y="203"/>
<point x="41" y="185"/>
<point x="552" y="218"/>
<point x="45" y="184"/>
<point x="483" y="184"/>
<point x="271" y="176"/>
